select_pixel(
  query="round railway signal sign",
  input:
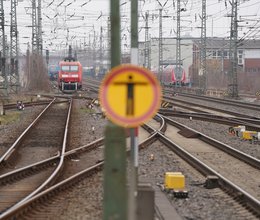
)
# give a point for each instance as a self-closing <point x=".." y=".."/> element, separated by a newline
<point x="130" y="95"/>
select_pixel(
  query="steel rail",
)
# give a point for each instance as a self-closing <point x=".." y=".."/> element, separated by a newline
<point x="48" y="162"/>
<point x="246" y="105"/>
<point x="58" y="168"/>
<point x="224" y="147"/>
<point x="15" y="212"/>
<point x="8" y="153"/>
<point x="173" y="102"/>
<point x="224" y="183"/>
<point x="232" y="121"/>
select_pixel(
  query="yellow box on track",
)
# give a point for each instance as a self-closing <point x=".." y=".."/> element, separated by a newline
<point x="174" y="180"/>
<point x="248" y="135"/>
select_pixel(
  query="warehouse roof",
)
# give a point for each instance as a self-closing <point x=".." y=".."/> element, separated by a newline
<point x="224" y="43"/>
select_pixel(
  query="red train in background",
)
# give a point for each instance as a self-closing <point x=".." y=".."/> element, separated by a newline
<point x="70" y="75"/>
<point x="170" y="77"/>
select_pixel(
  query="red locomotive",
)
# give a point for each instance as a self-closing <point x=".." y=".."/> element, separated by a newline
<point x="70" y="75"/>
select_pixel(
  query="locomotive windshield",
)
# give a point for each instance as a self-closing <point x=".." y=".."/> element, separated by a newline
<point x="70" y="68"/>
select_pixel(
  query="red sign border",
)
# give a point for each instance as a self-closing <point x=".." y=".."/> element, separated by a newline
<point x="123" y="121"/>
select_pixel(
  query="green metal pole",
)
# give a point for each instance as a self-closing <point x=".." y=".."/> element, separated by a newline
<point x="115" y="33"/>
<point x="132" y="208"/>
<point x="134" y="32"/>
<point x="115" y="190"/>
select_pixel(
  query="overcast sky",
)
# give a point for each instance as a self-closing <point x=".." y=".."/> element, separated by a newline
<point x="78" y="21"/>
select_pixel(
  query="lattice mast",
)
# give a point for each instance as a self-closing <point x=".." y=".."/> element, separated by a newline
<point x="101" y="50"/>
<point x="146" y="49"/>
<point x="178" y="70"/>
<point x="108" y="41"/>
<point x="34" y="29"/>
<point x="14" y="74"/>
<point x="3" y="74"/>
<point x="160" y="46"/>
<point x="39" y="28"/>
<point x="94" y="52"/>
<point x="203" y="45"/>
<point x="232" y="76"/>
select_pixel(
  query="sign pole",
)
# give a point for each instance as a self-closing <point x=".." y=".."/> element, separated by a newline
<point x="115" y="190"/>
<point x="133" y="134"/>
<point x="132" y="210"/>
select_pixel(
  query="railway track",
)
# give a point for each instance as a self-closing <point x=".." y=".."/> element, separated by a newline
<point x="36" y="138"/>
<point x="228" y="177"/>
<point x="51" y="203"/>
<point x="44" y="197"/>
<point x="205" y="107"/>
<point x="158" y="133"/>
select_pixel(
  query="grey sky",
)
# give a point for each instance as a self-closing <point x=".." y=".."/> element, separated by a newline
<point x="74" y="21"/>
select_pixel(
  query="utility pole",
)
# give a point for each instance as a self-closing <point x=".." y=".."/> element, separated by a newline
<point x="202" y="72"/>
<point x="3" y="75"/>
<point x="34" y="29"/>
<point x="47" y="57"/>
<point x="94" y="53"/>
<point x="90" y="51"/>
<point x="160" y="46"/>
<point x="14" y="75"/>
<point x="146" y="51"/>
<point x="115" y="191"/>
<point x="149" y="53"/>
<point x="39" y="28"/>
<point x="178" y="70"/>
<point x="101" y="51"/>
<point x="70" y="52"/>
<point x="108" y="42"/>
<point x="133" y="175"/>
<point x="232" y="76"/>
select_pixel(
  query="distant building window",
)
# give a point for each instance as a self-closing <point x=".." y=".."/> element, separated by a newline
<point x="225" y="54"/>
<point x="219" y="53"/>
<point x="214" y="54"/>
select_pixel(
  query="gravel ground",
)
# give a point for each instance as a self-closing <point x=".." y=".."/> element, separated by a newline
<point x="202" y="203"/>
<point x="84" y="201"/>
<point x="9" y="132"/>
<point x="220" y="132"/>
<point x="221" y="106"/>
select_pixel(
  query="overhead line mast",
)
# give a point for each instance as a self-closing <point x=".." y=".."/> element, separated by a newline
<point x="232" y="75"/>
<point x="3" y="74"/>
<point x="160" y="46"/>
<point x="39" y="27"/>
<point x="146" y="51"/>
<point x="101" y="51"/>
<point x="178" y="42"/>
<point x="203" y="74"/>
<point x="34" y="29"/>
<point x="14" y="75"/>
